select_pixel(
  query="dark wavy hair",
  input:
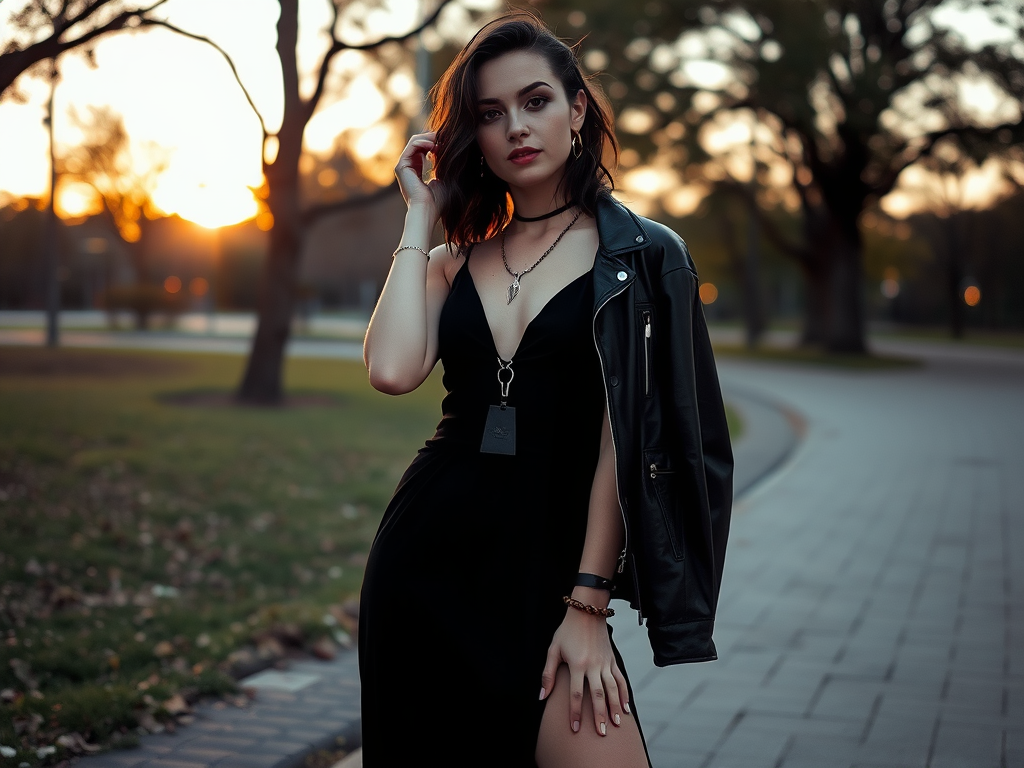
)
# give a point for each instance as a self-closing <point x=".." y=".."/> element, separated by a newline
<point x="473" y="208"/>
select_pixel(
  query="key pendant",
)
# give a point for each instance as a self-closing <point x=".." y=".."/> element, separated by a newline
<point x="513" y="290"/>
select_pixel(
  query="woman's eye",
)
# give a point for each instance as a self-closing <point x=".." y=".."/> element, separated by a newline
<point x="536" y="102"/>
<point x="489" y="115"/>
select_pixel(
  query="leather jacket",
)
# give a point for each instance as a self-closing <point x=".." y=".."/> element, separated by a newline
<point x="673" y="458"/>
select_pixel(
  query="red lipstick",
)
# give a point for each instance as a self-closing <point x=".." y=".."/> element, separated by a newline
<point x="523" y="155"/>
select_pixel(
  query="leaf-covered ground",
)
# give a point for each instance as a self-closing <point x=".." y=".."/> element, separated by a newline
<point x="150" y="549"/>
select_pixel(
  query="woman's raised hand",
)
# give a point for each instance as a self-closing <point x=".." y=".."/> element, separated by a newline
<point x="409" y="171"/>
<point x="582" y="643"/>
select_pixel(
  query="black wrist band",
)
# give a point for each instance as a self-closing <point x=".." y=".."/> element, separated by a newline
<point x="594" y="581"/>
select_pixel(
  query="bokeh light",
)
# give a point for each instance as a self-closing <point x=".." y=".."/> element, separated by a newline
<point x="708" y="293"/>
<point x="972" y="295"/>
<point x="172" y="284"/>
<point x="198" y="286"/>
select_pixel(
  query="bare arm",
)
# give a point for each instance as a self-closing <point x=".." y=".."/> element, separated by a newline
<point x="400" y="348"/>
<point x="582" y="640"/>
<point x="604" y="521"/>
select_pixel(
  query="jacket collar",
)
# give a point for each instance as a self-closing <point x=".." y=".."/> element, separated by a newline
<point x="619" y="232"/>
<point x="618" y="228"/>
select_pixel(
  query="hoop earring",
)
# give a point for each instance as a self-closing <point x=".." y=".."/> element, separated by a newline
<point x="576" y="144"/>
<point x="481" y="166"/>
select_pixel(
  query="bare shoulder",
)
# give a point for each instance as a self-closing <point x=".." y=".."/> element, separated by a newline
<point x="448" y="262"/>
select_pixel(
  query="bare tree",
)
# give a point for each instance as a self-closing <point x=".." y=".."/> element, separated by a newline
<point x="44" y="29"/>
<point x="852" y="91"/>
<point x="124" y="179"/>
<point x="261" y="383"/>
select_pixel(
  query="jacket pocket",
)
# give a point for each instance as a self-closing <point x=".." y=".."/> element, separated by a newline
<point x="663" y="480"/>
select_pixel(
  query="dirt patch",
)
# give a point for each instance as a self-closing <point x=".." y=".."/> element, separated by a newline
<point x="226" y="399"/>
<point x="34" y="361"/>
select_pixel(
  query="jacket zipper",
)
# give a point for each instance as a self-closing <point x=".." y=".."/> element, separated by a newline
<point x="647" y="353"/>
<point x="655" y="471"/>
<point x="615" y="455"/>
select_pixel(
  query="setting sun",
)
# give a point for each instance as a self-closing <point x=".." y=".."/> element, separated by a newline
<point x="180" y="96"/>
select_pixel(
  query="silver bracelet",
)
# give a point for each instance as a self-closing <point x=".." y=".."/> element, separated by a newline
<point x="409" y="248"/>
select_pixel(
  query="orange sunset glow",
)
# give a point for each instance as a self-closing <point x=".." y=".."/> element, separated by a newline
<point x="180" y="95"/>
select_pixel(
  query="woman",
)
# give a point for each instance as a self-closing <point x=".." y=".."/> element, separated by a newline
<point x="583" y="439"/>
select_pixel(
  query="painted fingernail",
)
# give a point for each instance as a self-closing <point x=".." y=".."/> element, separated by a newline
<point x="575" y="726"/>
<point x="617" y="719"/>
<point x="626" y="707"/>
<point x="604" y="729"/>
<point x="542" y="692"/>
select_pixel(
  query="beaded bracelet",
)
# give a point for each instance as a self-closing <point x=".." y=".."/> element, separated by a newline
<point x="409" y="248"/>
<point x="593" y="610"/>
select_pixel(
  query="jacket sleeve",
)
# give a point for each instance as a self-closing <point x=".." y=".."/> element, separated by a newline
<point x="700" y="453"/>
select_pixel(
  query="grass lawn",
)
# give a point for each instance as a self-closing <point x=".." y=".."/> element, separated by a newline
<point x="152" y="550"/>
<point x="145" y="545"/>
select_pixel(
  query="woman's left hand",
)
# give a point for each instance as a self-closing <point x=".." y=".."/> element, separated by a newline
<point x="581" y="641"/>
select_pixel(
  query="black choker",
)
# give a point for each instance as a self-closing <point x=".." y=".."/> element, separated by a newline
<point x="563" y="209"/>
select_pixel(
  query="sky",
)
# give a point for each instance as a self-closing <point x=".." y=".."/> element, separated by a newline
<point x="180" y="94"/>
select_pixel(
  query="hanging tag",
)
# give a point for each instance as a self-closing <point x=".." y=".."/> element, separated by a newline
<point x="500" y="431"/>
<point x="500" y="427"/>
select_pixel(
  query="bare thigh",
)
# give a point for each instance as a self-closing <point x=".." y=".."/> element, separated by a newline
<point x="559" y="747"/>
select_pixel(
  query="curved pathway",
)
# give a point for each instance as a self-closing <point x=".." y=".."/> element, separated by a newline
<point x="872" y="611"/>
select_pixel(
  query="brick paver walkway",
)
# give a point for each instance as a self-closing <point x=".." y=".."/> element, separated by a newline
<point x="303" y="710"/>
<point x="872" y="612"/>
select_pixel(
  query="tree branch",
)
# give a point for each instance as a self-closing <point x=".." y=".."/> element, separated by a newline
<point x="222" y="52"/>
<point x="14" y="63"/>
<point x="337" y="46"/>
<point x="317" y="212"/>
<point x="771" y="229"/>
<point x="885" y="186"/>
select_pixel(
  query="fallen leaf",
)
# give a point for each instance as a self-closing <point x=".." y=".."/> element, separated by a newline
<point x="269" y="647"/>
<point x="147" y="721"/>
<point x="27" y="724"/>
<point x="163" y="648"/>
<point x="77" y="743"/>
<point x="325" y="649"/>
<point x="176" y="705"/>
<point x="343" y="638"/>
<point x="23" y="671"/>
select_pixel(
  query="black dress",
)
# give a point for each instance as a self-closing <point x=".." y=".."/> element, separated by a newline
<point x="464" y="581"/>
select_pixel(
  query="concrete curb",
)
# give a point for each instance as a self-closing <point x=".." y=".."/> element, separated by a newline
<point x="771" y="431"/>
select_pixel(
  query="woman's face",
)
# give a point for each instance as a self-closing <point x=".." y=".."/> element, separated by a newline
<point x="525" y="121"/>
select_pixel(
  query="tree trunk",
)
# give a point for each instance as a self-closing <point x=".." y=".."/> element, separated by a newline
<point x="51" y="245"/>
<point x="261" y="384"/>
<point x="955" y="273"/>
<point x="816" y="305"/>
<point x="846" y="326"/>
<point x="753" y="312"/>
<point x="834" y="305"/>
<point x="137" y="253"/>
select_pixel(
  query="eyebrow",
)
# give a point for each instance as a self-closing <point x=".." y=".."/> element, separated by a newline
<point x="522" y="92"/>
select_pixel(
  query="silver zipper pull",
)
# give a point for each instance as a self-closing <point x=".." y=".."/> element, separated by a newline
<point x="654" y="471"/>
<point x="622" y="561"/>
<point x="647" y="326"/>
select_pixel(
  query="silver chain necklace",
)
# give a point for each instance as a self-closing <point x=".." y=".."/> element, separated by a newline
<point x="513" y="289"/>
